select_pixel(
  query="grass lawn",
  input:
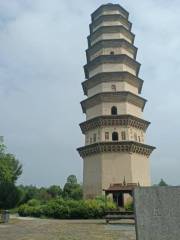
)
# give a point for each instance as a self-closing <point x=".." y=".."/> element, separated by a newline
<point x="45" y="229"/>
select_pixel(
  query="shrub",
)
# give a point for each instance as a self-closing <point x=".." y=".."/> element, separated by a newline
<point x="70" y="209"/>
<point x="129" y="206"/>
<point x="26" y="210"/>
<point x="56" y="209"/>
<point x="33" y="202"/>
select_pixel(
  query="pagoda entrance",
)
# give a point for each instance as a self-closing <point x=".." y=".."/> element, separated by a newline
<point x="118" y="198"/>
<point x="120" y="192"/>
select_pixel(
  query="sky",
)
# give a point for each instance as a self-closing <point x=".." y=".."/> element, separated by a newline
<point x="42" y="53"/>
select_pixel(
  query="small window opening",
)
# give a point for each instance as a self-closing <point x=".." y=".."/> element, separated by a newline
<point x="112" y="52"/>
<point x="114" y="110"/>
<point x="94" y="137"/>
<point x="115" y="136"/>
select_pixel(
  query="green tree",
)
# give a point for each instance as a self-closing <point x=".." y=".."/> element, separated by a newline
<point x="9" y="195"/>
<point x="10" y="167"/>
<point x="72" y="190"/>
<point x="10" y="170"/>
<point x="72" y="179"/>
<point x="55" y="191"/>
<point x="162" y="183"/>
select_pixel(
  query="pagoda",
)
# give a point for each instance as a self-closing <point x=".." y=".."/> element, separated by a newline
<point x="115" y="149"/>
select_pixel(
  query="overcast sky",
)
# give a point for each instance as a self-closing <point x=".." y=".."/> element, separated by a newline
<point x="42" y="53"/>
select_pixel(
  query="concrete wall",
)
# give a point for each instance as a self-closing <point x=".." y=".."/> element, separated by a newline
<point x="92" y="178"/>
<point x="115" y="166"/>
<point x="107" y="87"/>
<point x="102" y="169"/>
<point x="105" y="109"/>
<point x="140" y="167"/>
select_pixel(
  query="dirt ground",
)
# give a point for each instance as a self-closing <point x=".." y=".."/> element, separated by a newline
<point x="43" y="229"/>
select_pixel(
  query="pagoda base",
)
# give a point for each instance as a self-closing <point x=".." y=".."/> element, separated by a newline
<point x="103" y="169"/>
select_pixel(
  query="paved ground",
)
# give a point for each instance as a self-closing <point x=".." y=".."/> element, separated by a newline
<point x="42" y="229"/>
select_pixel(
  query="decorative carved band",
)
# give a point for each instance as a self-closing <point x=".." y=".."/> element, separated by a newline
<point x="114" y="77"/>
<point x="111" y="147"/>
<point x="113" y="97"/>
<point x="118" y="120"/>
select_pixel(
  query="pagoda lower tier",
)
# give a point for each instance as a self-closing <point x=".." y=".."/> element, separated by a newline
<point x="106" y="163"/>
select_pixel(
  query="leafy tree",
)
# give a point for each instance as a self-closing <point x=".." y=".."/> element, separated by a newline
<point x="162" y="183"/>
<point x="55" y="191"/>
<point x="10" y="167"/>
<point x="28" y="193"/>
<point x="72" y="179"/>
<point x="72" y="190"/>
<point x="10" y="170"/>
<point x="9" y="195"/>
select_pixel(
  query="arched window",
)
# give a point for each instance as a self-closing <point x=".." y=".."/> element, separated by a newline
<point x="114" y="110"/>
<point x="115" y="136"/>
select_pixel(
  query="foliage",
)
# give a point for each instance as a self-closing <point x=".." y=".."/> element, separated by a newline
<point x="10" y="170"/>
<point x="72" y="179"/>
<point x="9" y="195"/>
<point x="10" y="167"/>
<point x="162" y="183"/>
<point x="68" y="209"/>
<point x="72" y="190"/>
<point x="55" y="191"/>
<point x="129" y="206"/>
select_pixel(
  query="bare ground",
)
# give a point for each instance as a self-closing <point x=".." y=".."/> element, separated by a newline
<point x="43" y="229"/>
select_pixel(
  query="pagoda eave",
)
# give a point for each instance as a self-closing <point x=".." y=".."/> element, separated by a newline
<point x="106" y="7"/>
<point x="110" y="17"/>
<point x="113" y="97"/>
<point x="112" y="76"/>
<point x="109" y="43"/>
<point x="110" y="29"/>
<point x="116" y="120"/>
<point x="108" y="147"/>
<point x="105" y="59"/>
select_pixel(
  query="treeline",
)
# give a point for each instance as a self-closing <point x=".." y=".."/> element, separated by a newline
<point x="66" y="203"/>
<point x="71" y="190"/>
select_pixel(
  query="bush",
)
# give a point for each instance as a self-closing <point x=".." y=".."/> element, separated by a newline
<point x="129" y="206"/>
<point x="26" y="210"/>
<point x="70" y="209"/>
<point x="33" y="203"/>
<point x="55" y="209"/>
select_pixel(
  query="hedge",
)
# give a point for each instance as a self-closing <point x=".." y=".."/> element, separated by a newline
<point x="70" y="209"/>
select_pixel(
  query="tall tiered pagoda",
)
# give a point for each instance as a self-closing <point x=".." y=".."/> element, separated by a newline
<point x="115" y="149"/>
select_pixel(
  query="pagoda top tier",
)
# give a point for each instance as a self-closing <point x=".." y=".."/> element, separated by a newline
<point x="107" y="9"/>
